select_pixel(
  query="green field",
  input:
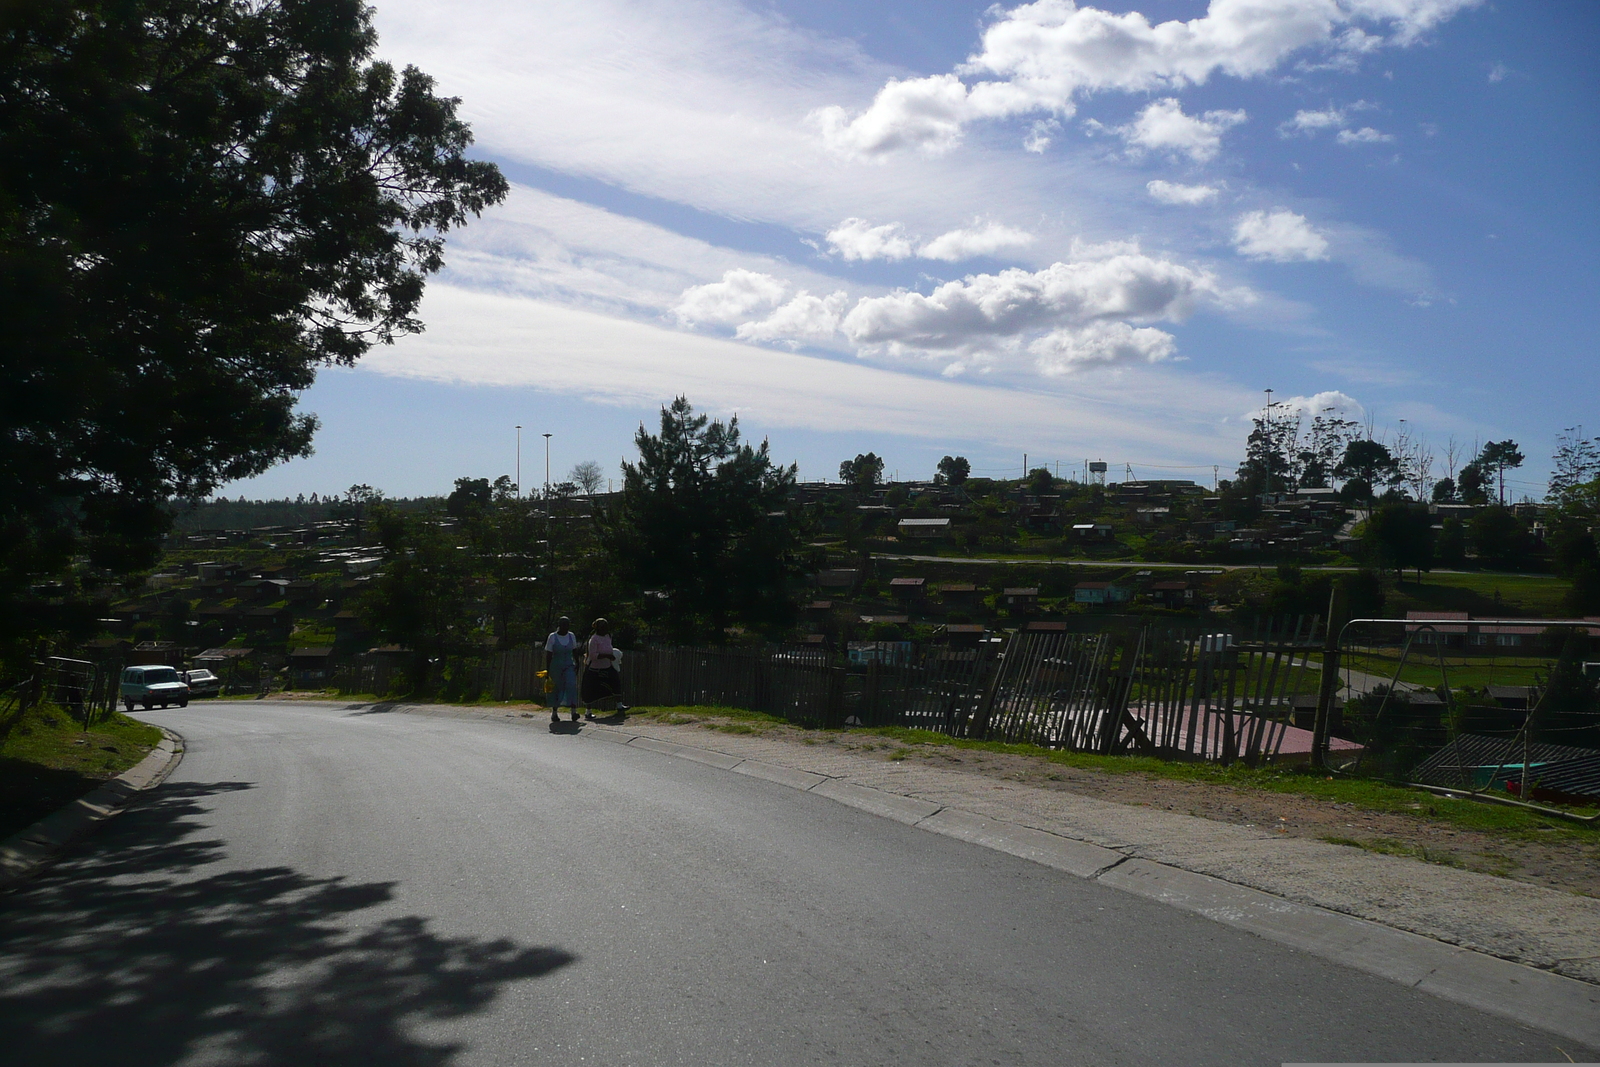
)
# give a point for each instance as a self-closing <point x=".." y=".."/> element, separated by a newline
<point x="1484" y="595"/>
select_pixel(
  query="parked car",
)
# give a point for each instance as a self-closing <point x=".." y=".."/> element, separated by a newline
<point x="202" y="683"/>
<point x="153" y="685"/>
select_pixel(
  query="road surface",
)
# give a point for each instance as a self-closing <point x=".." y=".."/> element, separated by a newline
<point x="357" y="885"/>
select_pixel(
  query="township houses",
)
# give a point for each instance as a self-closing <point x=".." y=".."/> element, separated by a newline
<point x="1456" y="629"/>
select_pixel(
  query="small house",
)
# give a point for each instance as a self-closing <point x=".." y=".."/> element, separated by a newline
<point x="963" y="634"/>
<point x="310" y="666"/>
<point x="1020" y="598"/>
<point x="958" y="594"/>
<point x="923" y="529"/>
<point x="1171" y="594"/>
<point x="842" y="578"/>
<point x="908" y="589"/>
<point x="1100" y="593"/>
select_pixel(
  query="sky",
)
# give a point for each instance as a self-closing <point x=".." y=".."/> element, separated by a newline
<point x="1053" y="231"/>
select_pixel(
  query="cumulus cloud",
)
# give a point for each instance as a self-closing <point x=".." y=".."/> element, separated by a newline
<point x="805" y="319"/>
<point x="1330" y="401"/>
<point x="983" y="240"/>
<point x="1365" y="135"/>
<point x="1174" y="193"/>
<point x="925" y="113"/>
<point x="1041" y="56"/>
<point x="985" y="312"/>
<point x="858" y="239"/>
<point x="1162" y="126"/>
<point x="1279" y="235"/>
<point x="1067" y="350"/>
<point x="735" y="297"/>
<point x="1095" y="309"/>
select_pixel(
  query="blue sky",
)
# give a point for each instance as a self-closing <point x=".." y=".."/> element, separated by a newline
<point x="1068" y="231"/>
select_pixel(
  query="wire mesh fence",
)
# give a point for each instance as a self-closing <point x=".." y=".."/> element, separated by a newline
<point x="1508" y="708"/>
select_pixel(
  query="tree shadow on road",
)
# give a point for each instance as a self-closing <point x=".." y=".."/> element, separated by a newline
<point x="130" y="952"/>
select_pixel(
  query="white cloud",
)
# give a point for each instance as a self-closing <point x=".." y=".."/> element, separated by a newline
<point x="1044" y="54"/>
<point x="1498" y="72"/>
<point x="1174" y="193"/>
<point x="996" y="313"/>
<point x="925" y="113"/>
<point x="1365" y="135"/>
<point x="1039" y="135"/>
<point x="1279" y="235"/>
<point x="858" y="239"/>
<point x="983" y="240"/>
<point x="806" y="319"/>
<point x="1162" y="126"/>
<point x="739" y="293"/>
<point x="499" y="341"/>
<point x="1311" y="121"/>
<point x="1328" y="402"/>
<point x="1069" y="349"/>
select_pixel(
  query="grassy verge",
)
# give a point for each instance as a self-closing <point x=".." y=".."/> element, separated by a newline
<point x="48" y="760"/>
<point x="898" y="742"/>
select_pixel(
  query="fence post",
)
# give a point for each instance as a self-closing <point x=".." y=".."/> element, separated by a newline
<point x="1330" y="676"/>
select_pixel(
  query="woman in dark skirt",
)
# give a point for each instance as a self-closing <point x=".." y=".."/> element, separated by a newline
<point x="602" y="681"/>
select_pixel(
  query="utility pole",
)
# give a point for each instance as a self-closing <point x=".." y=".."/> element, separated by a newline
<point x="519" y="462"/>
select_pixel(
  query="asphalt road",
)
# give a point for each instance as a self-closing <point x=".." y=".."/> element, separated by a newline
<point x="319" y="885"/>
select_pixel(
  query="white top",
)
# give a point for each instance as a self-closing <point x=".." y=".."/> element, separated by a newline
<point x="563" y="646"/>
<point x="601" y="651"/>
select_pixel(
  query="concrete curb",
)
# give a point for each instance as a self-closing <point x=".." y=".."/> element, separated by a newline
<point x="28" y="851"/>
<point x="1552" y="1002"/>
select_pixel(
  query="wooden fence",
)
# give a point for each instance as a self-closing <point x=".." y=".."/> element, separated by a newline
<point x="1168" y="693"/>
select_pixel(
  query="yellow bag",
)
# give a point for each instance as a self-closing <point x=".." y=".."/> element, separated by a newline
<point x="549" y="683"/>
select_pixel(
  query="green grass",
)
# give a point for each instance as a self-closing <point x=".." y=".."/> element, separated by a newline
<point x="1520" y="595"/>
<point x="1422" y="667"/>
<point x="47" y="760"/>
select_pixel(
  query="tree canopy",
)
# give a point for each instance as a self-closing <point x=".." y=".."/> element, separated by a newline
<point x="863" y="472"/>
<point x="701" y="522"/>
<point x="955" y="469"/>
<point x="200" y="205"/>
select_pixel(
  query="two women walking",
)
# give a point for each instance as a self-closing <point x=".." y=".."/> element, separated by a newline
<point x="602" y="681"/>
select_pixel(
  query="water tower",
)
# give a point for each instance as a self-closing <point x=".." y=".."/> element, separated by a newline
<point x="1097" y="472"/>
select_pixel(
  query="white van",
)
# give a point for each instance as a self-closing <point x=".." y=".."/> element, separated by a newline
<point x="153" y="685"/>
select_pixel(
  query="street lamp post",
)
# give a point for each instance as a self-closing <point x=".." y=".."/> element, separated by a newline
<point x="547" y="469"/>
<point x="549" y="545"/>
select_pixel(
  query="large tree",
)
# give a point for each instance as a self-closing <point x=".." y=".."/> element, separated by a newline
<point x="201" y="203"/>
<point x="701" y="521"/>
<point x="1398" y="536"/>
